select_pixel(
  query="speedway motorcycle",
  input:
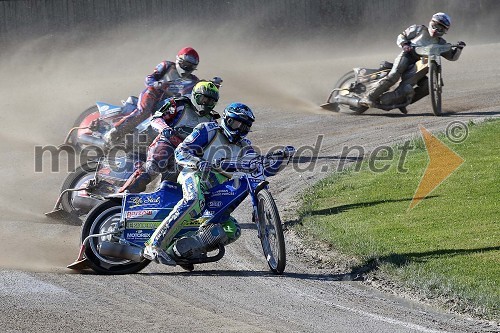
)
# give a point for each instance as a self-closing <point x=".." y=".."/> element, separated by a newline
<point x="356" y="84"/>
<point x="89" y="183"/>
<point x="95" y="121"/>
<point x="115" y="231"/>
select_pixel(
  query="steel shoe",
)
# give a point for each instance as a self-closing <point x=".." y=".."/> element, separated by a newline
<point x="157" y="255"/>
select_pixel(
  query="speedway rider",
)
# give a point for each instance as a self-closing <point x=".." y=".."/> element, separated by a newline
<point x="175" y="120"/>
<point x="208" y="142"/>
<point x="404" y="65"/>
<point x="157" y="84"/>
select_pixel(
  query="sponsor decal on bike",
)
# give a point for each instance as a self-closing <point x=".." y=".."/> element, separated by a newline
<point x="143" y="225"/>
<point x="223" y="192"/>
<point x="215" y="204"/>
<point x="139" y="213"/>
<point x="138" y="234"/>
<point x="141" y="200"/>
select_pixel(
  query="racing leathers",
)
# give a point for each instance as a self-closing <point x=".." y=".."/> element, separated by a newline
<point x="205" y="144"/>
<point x="404" y="66"/>
<point x="161" y="84"/>
<point x="175" y="120"/>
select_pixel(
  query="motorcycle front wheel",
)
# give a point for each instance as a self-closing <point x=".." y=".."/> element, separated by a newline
<point x="435" y="87"/>
<point x="271" y="232"/>
<point x="104" y="218"/>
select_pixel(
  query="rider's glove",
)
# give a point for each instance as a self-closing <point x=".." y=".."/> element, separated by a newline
<point x="217" y="81"/>
<point x="407" y="48"/>
<point x="172" y="135"/>
<point x="111" y="136"/>
<point x="94" y="124"/>
<point x="287" y="151"/>
<point x="204" y="167"/>
<point x="461" y="45"/>
<point x="158" y="84"/>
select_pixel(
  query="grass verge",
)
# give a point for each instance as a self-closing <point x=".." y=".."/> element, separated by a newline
<point x="447" y="247"/>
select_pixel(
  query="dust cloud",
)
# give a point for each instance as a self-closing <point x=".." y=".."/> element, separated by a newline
<point x="48" y="81"/>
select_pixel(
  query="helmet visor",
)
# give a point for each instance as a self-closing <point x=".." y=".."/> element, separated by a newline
<point x="205" y="100"/>
<point x="234" y="125"/>
<point x="187" y="65"/>
<point x="439" y="28"/>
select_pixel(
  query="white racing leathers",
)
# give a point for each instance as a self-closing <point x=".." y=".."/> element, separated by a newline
<point x="404" y="64"/>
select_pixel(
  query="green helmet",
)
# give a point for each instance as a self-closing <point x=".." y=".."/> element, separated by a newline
<point x="204" y="97"/>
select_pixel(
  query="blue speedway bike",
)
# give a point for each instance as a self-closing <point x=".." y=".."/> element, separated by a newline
<point x="115" y="231"/>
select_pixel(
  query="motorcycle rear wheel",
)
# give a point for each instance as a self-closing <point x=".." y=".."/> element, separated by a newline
<point x="101" y="219"/>
<point x="435" y="87"/>
<point x="74" y="135"/>
<point x="345" y="82"/>
<point x="271" y="232"/>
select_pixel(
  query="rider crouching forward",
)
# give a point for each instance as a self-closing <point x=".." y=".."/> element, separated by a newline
<point x="157" y="86"/>
<point x="208" y="142"/>
<point x="404" y="65"/>
<point x="175" y="120"/>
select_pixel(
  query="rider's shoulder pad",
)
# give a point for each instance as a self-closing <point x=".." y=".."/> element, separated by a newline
<point x="208" y="126"/>
<point x="246" y="142"/>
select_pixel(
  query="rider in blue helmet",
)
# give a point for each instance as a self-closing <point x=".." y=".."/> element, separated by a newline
<point x="236" y="121"/>
<point x="207" y="143"/>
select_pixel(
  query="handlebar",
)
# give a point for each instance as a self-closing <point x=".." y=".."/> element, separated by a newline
<point x="434" y="49"/>
<point x="250" y="162"/>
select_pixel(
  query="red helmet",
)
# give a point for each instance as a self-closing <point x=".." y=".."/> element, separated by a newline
<point x="187" y="60"/>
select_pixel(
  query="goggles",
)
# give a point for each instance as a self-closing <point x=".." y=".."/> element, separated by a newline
<point x="186" y="65"/>
<point x="438" y="28"/>
<point x="205" y="100"/>
<point x="237" y="125"/>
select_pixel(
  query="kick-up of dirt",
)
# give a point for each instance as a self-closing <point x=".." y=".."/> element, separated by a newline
<point x="47" y="82"/>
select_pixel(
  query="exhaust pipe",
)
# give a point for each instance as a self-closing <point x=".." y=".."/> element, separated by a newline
<point x="91" y="140"/>
<point x="349" y="100"/>
<point x="118" y="250"/>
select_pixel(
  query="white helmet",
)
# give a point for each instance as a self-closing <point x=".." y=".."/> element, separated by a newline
<point x="439" y="24"/>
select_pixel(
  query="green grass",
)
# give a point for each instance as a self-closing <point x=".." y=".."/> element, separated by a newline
<point x="448" y="246"/>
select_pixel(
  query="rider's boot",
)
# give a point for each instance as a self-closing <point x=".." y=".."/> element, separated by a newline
<point x="381" y="87"/>
<point x="421" y="90"/>
<point x="158" y="255"/>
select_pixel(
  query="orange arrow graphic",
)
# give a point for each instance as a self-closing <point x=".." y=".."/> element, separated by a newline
<point x="442" y="162"/>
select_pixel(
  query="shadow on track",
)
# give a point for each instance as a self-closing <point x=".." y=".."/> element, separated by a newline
<point x="266" y="274"/>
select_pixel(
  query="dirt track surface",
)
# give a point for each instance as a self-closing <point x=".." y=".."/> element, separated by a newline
<point x="237" y="294"/>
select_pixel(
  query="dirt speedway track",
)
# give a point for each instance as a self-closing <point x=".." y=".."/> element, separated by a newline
<point x="237" y="294"/>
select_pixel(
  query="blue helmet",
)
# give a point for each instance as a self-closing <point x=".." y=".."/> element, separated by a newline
<point x="237" y="120"/>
